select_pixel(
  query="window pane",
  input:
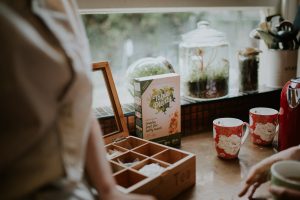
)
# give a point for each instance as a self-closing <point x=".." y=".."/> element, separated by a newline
<point x="102" y="105"/>
<point x="124" y="38"/>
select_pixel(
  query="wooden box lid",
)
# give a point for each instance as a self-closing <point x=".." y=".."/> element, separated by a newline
<point x="122" y="131"/>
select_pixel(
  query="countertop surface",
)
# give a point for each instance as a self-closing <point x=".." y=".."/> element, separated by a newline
<point x="218" y="179"/>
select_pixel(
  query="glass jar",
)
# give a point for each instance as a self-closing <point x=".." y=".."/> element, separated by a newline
<point x="204" y="63"/>
<point x="147" y="67"/>
<point x="248" y="66"/>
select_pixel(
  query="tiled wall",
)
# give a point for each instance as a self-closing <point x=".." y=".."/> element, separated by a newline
<point x="198" y="117"/>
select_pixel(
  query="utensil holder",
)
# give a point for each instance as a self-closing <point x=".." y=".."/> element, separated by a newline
<point x="280" y="66"/>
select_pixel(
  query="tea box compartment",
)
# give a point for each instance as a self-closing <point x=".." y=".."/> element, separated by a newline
<point x="170" y="156"/>
<point x="169" y="171"/>
<point x="130" y="143"/>
<point x="129" y="159"/>
<point x="128" y="178"/>
<point x="150" y="149"/>
<point x="113" y="151"/>
<point x="115" y="167"/>
<point x="151" y="167"/>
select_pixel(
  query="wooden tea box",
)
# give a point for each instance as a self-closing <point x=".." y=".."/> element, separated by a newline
<point x="176" y="174"/>
<point x="157" y="108"/>
<point x="172" y="171"/>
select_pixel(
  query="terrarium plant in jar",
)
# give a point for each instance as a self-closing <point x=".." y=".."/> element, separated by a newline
<point x="147" y="67"/>
<point x="248" y="66"/>
<point x="204" y="65"/>
<point x="206" y="80"/>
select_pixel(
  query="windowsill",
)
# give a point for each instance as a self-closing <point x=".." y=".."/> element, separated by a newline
<point x="231" y="95"/>
<point x="128" y="109"/>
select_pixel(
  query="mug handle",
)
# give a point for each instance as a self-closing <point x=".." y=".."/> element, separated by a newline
<point x="246" y="132"/>
<point x="277" y="126"/>
<point x="275" y="139"/>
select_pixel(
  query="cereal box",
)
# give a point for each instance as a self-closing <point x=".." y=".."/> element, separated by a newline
<point x="157" y="108"/>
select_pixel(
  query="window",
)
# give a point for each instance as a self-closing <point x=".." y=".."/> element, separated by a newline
<point x="122" y="38"/>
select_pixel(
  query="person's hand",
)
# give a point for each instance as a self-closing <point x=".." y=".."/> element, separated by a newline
<point x="259" y="173"/>
<point x="117" y="195"/>
<point x="284" y="193"/>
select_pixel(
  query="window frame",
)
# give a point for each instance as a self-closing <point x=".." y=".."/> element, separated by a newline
<point x="144" y="6"/>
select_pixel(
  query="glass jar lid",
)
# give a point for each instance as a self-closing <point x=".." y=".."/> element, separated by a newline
<point x="204" y="36"/>
<point x="249" y="51"/>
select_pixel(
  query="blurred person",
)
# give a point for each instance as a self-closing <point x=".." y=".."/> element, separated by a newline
<point x="49" y="136"/>
<point x="259" y="174"/>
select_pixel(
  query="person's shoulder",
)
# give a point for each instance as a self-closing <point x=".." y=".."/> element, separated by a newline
<point x="18" y="35"/>
<point x="10" y="24"/>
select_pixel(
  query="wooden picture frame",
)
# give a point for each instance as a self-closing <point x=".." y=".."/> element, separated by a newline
<point x="115" y="102"/>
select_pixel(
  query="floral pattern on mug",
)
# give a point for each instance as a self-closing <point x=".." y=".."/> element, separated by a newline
<point x="231" y="145"/>
<point x="265" y="131"/>
<point x="228" y="140"/>
<point x="263" y="127"/>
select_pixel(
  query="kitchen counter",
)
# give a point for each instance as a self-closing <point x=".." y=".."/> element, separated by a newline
<point x="218" y="179"/>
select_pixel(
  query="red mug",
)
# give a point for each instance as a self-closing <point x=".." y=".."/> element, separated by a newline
<point x="229" y="135"/>
<point x="263" y="125"/>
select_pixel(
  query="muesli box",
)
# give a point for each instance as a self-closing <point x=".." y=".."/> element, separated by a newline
<point x="157" y="108"/>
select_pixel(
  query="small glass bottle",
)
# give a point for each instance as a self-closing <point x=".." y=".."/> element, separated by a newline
<point x="248" y="66"/>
